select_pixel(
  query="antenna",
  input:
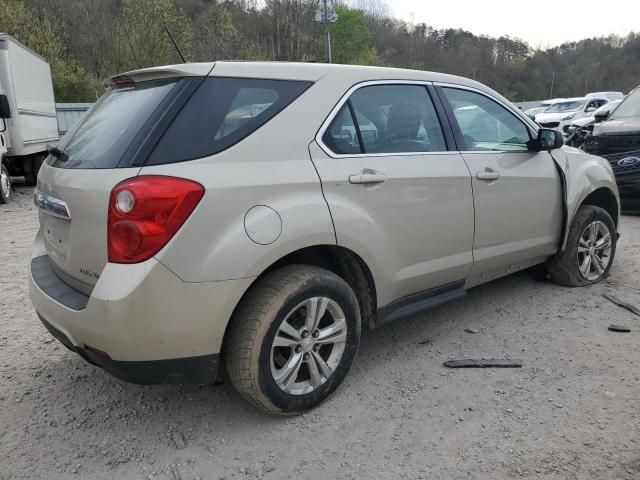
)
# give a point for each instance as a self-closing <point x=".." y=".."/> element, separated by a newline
<point x="175" y="44"/>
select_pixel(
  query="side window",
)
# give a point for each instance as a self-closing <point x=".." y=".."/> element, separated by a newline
<point x="222" y="112"/>
<point x="248" y="104"/>
<point x="592" y="104"/>
<point x="390" y="119"/>
<point x="341" y="136"/>
<point x="397" y="119"/>
<point x="485" y="124"/>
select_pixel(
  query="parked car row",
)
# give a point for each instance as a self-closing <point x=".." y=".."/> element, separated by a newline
<point x="561" y="113"/>
<point x="532" y="112"/>
<point x="615" y="135"/>
<point x="599" y="115"/>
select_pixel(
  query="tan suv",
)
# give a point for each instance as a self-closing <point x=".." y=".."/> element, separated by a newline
<point x="251" y="217"/>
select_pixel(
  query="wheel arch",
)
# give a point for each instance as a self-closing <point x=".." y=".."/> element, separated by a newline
<point x="586" y="180"/>
<point x="599" y="196"/>
<point x="604" y="198"/>
<point x="342" y="261"/>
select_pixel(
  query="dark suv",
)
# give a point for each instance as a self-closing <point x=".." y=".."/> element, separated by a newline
<point x="617" y="138"/>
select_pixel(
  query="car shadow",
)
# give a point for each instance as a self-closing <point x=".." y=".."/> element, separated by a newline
<point x="439" y="327"/>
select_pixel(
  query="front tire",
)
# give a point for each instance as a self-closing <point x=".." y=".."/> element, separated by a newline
<point x="590" y="249"/>
<point x="5" y="185"/>
<point x="293" y="339"/>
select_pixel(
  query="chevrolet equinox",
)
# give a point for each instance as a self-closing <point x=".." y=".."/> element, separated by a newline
<point x="251" y="218"/>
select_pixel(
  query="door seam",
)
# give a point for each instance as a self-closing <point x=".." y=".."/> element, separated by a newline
<point x="324" y="197"/>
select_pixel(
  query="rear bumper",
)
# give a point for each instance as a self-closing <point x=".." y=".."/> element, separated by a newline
<point x="152" y="326"/>
<point x="201" y="369"/>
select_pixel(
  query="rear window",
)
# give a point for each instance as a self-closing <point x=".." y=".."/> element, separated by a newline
<point x="222" y="112"/>
<point x="108" y="129"/>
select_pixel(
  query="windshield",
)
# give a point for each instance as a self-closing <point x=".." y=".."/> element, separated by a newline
<point x="108" y="129"/>
<point x="630" y="106"/>
<point x="565" y="106"/>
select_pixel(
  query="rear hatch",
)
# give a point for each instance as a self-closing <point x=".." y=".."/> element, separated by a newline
<point x="148" y="117"/>
<point x="105" y="148"/>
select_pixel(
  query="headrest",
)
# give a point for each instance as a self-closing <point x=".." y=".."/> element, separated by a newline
<point x="404" y="120"/>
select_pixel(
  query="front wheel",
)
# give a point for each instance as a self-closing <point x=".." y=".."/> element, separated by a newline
<point x="293" y="339"/>
<point x="5" y="185"/>
<point x="590" y="249"/>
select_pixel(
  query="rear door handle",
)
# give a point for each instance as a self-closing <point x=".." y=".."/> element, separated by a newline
<point x="367" y="177"/>
<point x="489" y="174"/>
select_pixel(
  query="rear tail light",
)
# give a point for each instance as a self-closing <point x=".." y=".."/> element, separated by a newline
<point x="145" y="212"/>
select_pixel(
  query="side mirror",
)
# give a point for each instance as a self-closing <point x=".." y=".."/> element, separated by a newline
<point x="5" y="109"/>
<point x="590" y="109"/>
<point x="549" y="139"/>
<point x="602" y="116"/>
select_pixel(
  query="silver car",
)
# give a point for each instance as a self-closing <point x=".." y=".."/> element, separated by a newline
<point x="251" y="218"/>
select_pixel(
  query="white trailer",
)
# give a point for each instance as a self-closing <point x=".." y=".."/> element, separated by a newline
<point x="27" y="112"/>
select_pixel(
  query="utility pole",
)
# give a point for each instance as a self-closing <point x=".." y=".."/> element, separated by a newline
<point x="553" y="80"/>
<point x="325" y="16"/>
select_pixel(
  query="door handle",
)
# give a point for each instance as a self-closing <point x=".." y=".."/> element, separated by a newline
<point x="489" y="174"/>
<point x="367" y="177"/>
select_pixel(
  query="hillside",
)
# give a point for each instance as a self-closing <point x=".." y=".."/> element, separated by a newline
<point x="88" y="40"/>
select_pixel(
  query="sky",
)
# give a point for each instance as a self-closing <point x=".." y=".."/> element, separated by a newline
<point x="544" y="24"/>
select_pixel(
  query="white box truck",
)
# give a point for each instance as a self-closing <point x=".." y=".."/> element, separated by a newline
<point x="27" y="113"/>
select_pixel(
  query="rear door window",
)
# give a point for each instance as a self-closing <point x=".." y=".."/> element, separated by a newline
<point x="397" y="119"/>
<point x="389" y="119"/>
<point x="341" y="136"/>
<point x="222" y="112"/>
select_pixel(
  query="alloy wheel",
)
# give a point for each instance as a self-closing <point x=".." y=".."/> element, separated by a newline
<point x="594" y="250"/>
<point x="308" y="345"/>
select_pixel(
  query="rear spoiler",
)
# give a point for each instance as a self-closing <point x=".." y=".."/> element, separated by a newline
<point x="155" y="73"/>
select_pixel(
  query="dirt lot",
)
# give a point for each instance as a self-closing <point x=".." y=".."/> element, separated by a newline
<point x="572" y="411"/>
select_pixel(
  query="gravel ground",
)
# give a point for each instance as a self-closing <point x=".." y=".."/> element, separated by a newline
<point x="571" y="412"/>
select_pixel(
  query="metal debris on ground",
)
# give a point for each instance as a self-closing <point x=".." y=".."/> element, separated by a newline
<point x="178" y="440"/>
<point x="619" y="328"/>
<point x="620" y="303"/>
<point x="483" y="363"/>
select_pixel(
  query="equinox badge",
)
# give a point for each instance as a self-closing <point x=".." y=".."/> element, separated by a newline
<point x="51" y="205"/>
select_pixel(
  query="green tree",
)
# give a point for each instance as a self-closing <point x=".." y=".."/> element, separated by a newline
<point x="218" y="38"/>
<point x="71" y="82"/>
<point x="140" y="36"/>
<point x="352" y="41"/>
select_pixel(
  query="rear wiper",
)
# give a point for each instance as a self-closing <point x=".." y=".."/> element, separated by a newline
<point x="56" y="152"/>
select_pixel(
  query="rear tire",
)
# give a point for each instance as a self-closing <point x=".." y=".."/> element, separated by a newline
<point x="590" y="249"/>
<point x="5" y="185"/>
<point x="293" y="339"/>
<point x="31" y="173"/>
